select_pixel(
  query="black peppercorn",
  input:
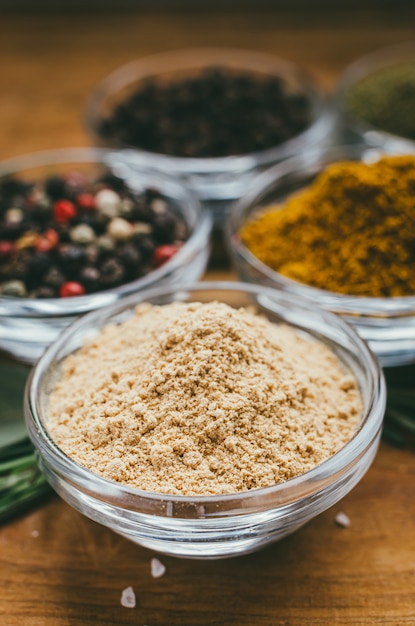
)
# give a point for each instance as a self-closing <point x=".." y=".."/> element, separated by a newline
<point x="71" y="257"/>
<point x="55" y="187"/>
<point x="218" y="113"/>
<point x="92" y="254"/>
<point x="96" y="220"/>
<point x="112" y="273"/>
<point x="54" y="277"/>
<point x="129" y="256"/>
<point x="13" y="186"/>
<point x="45" y="292"/>
<point x="37" y="264"/>
<point x="90" y="278"/>
<point x="164" y="227"/>
<point x="113" y="182"/>
<point x="146" y="246"/>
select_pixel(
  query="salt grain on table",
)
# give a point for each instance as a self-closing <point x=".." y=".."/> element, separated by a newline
<point x="342" y="520"/>
<point x="128" y="598"/>
<point x="157" y="568"/>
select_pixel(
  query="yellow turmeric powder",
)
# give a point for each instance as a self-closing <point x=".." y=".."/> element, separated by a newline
<point x="351" y="231"/>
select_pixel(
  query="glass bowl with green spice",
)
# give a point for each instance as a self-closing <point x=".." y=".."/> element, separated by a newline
<point x="374" y="99"/>
<point x="337" y="228"/>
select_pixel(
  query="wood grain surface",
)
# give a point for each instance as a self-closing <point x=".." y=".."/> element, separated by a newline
<point x="58" y="568"/>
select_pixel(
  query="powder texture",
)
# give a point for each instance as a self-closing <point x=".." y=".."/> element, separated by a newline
<point x="199" y="399"/>
<point x="385" y="98"/>
<point x="351" y="231"/>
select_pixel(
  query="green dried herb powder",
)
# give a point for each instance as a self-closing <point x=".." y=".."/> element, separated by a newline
<point x="386" y="99"/>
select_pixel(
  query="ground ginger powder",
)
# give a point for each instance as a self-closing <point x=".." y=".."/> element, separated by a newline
<point x="199" y="399"/>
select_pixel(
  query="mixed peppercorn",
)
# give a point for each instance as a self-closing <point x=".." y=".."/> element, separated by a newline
<point x="69" y="235"/>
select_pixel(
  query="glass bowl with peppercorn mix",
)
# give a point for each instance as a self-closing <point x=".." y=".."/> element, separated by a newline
<point x="213" y="117"/>
<point x="80" y="229"/>
<point x="337" y="228"/>
<point x="374" y="99"/>
<point x="193" y="384"/>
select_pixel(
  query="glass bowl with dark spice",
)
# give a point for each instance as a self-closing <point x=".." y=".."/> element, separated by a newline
<point x="80" y="229"/>
<point x="374" y="99"/>
<point x="211" y="116"/>
<point x="206" y="420"/>
<point x="337" y="228"/>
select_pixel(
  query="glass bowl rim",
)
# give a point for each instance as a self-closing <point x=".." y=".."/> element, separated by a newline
<point x="270" y="178"/>
<point x="366" y="433"/>
<point x="150" y="65"/>
<point x="32" y="307"/>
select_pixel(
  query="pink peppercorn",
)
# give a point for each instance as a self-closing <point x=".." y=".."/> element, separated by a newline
<point x="86" y="201"/>
<point x="64" y="211"/>
<point x="71" y="288"/>
<point x="47" y="241"/>
<point x="164" y="253"/>
<point x="6" y="248"/>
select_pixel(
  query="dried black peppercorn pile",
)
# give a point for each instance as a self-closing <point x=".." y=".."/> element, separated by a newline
<point x="70" y="236"/>
<point x="217" y="113"/>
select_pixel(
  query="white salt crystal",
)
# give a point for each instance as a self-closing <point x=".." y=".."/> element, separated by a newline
<point x="128" y="598"/>
<point x="342" y="520"/>
<point x="35" y="533"/>
<point x="157" y="568"/>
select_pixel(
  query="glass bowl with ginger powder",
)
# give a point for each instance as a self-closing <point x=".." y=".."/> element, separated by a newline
<point x="206" y="421"/>
<point x="337" y="228"/>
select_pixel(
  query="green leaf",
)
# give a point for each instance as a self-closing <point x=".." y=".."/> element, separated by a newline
<point x="22" y="494"/>
<point x="399" y="424"/>
<point x="13" y="378"/>
<point x="21" y="481"/>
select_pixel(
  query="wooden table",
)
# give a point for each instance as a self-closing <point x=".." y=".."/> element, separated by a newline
<point x="58" y="568"/>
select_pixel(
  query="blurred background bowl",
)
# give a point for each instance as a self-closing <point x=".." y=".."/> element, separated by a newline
<point x="397" y="93"/>
<point x="28" y="325"/>
<point x="388" y="324"/>
<point x="212" y="178"/>
<point x="212" y="526"/>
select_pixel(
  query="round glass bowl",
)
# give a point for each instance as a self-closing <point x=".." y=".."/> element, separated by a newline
<point x="28" y="325"/>
<point x="351" y="127"/>
<point x="387" y="324"/>
<point x="219" y="178"/>
<point x="212" y="526"/>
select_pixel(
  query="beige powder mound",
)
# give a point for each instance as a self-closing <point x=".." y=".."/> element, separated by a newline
<point x="200" y="399"/>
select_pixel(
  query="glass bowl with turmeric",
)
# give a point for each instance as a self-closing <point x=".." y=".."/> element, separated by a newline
<point x="206" y="420"/>
<point x="374" y="99"/>
<point x="337" y="228"/>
